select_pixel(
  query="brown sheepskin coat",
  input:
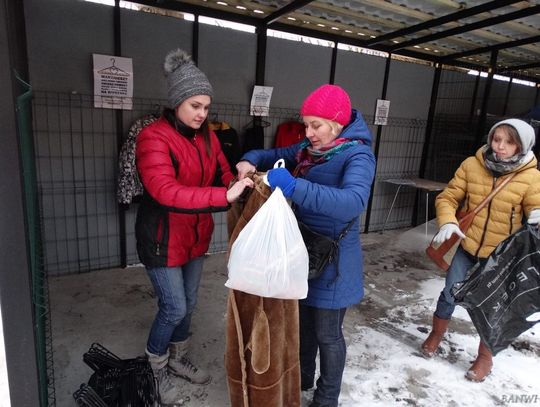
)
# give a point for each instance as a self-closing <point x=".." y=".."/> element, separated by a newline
<point x="262" y="334"/>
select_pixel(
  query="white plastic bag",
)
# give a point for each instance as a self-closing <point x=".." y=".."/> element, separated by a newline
<point x="269" y="258"/>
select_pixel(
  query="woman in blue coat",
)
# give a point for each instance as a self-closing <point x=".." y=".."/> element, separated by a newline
<point x="332" y="172"/>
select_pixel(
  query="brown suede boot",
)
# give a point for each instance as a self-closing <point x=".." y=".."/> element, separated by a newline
<point x="431" y="344"/>
<point x="481" y="367"/>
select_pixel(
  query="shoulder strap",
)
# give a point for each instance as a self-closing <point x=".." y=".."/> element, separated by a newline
<point x="493" y="193"/>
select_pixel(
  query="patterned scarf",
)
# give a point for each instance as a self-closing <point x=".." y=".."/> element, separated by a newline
<point x="308" y="157"/>
<point x="501" y="166"/>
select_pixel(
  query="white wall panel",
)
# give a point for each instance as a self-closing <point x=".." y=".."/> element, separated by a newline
<point x="362" y="76"/>
<point x="409" y="89"/>
<point x="228" y="58"/>
<point x="62" y="36"/>
<point x="295" y="69"/>
<point x="147" y="38"/>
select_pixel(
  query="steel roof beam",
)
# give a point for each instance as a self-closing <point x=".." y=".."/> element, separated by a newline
<point x="458" y="15"/>
<point x="257" y="22"/>
<point x="469" y="27"/>
<point x="199" y="10"/>
<point x="520" y="67"/>
<point x="360" y="43"/>
<point x="496" y="47"/>
<point x="289" y="8"/>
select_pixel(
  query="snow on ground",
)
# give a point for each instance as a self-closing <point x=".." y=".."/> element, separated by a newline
<point x="384" y="369"/>
<point x="384" y="364"/>
<point x="384" y="332"/>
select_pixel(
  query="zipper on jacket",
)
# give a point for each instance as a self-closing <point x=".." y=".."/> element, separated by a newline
<point x="200" y="161"/>
<point x="159" y="235"/>
<point x="487" y="220"/>
<point x="512" y="215"/>
<point x="200" y="184"/>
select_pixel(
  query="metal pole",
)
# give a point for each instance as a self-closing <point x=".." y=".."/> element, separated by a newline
<point x="333" y="64"/>
<point x="487" y="91"/>
<point x="431" y="119"/>
<point x="427" y="140"/>
<point x="118" y="115"/>
<point x="15" y="271"/>
<point x="507" y="96"/>
<point x="260" y="68"/>
<point x="378" y="143"/>
<point x="195" y="41"/>
<point x="473" y="102"/>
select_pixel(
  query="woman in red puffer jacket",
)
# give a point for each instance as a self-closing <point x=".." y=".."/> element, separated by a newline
<point x="185" y="177"/>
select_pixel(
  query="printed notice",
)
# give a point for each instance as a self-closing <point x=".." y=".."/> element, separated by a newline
<point x="381" y="112"/>
<point x="260" y="100"/>
<point x="113" y="82"/>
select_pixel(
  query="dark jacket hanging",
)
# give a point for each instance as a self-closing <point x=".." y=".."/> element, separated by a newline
<point x="230" y="142"/>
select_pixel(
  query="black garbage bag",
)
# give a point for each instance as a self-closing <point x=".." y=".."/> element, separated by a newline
<point x="502" y="294"/>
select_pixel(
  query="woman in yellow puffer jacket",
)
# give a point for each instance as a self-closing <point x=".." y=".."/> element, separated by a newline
<point x="508" y="150"/>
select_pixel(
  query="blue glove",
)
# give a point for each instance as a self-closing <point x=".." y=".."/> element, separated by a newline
<point x="282" y="178"/>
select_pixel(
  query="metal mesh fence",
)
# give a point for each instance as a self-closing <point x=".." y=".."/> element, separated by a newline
<point x="75" y="157"/>
<point x="77" y="149"/>
<point x="39" y="282"/>
<point x="77" y="164"/>
<point x="400" y="154"/>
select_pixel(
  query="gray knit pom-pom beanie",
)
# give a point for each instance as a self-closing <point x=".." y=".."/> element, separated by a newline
<point x="184" y="79"/>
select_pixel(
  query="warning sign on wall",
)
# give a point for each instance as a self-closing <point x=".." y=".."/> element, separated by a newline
<point x="381" y="112"/>
<point x="113" y="82"/>
<point x="260" y="100"/>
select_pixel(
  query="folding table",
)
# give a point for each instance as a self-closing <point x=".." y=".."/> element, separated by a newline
<point x="419" y="183"/>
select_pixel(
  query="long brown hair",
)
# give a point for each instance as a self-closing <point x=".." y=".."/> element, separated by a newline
<point x="170" y="116"/>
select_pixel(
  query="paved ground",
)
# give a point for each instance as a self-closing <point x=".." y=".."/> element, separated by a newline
<point x="116" y="307"/>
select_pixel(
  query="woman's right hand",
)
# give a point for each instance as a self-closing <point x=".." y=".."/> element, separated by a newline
<point x="245" y="168"/>
<point x="234" y="192"/>
<point x="446" y="231"/>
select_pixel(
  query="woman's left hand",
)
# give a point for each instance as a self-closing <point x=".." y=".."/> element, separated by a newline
<point x="281" y="177"/>
<point x="237" y="188"/>
<point x="534" y="218"/>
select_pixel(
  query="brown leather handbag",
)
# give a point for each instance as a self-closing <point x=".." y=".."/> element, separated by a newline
<point x="443" y="253"/>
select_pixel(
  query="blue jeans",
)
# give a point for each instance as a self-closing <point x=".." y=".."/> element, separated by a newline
<point x="176" y="289"/>
<point x="320" y="329"/>
<point x="461" y="264"/>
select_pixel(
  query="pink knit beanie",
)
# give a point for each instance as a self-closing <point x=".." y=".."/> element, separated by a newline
<point x="329" y="102"/>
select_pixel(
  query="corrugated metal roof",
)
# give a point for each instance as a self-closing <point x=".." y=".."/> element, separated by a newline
<point x="464" y="33"/>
